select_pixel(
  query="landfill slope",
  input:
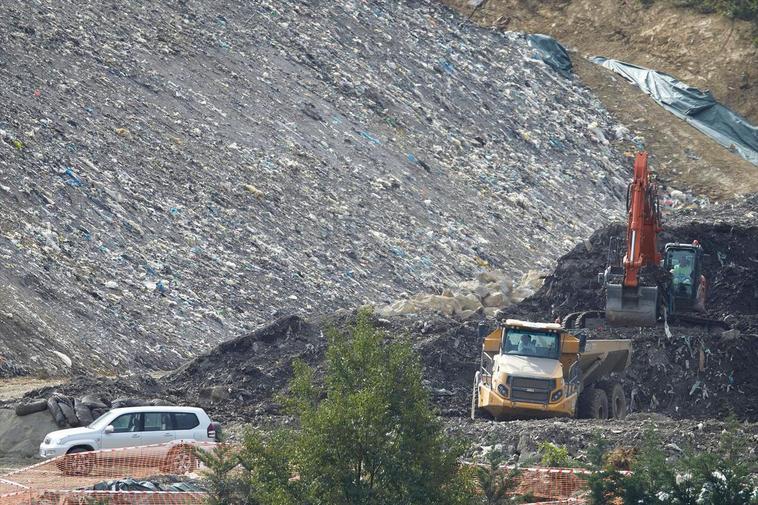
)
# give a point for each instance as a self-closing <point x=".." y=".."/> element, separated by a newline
<point x="173" y="174"/>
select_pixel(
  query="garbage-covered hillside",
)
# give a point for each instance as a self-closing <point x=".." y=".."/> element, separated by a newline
<point x="174" y="173"/>
<point x="700" y="371"/>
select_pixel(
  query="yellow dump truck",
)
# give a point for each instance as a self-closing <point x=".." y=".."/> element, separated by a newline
<point x="531" y="370"/>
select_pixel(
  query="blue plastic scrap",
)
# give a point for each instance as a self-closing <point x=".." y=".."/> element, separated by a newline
<point x="699" y="108"/>
<point x="71" y="178"/>
<point x="371" y="138"/>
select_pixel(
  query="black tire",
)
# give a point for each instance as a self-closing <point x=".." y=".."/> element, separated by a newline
<point x="55" y="411"/>
<point x="69" y="413"/>
<point x="616" y="400"/>
<point x="593" y="404"/>
<point x="94" y="402"/>
<point x="83" y="413"/>
<point x="78" y="461"/>
<point x="24" y="409"/>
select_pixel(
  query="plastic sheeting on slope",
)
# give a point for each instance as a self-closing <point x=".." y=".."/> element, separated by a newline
<point x="695" y="106"/>
<point x="552" y="53"/>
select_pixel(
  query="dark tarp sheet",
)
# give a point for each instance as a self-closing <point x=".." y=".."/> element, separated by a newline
<point x="551" y="52"/>
<point x="695" y="106"/>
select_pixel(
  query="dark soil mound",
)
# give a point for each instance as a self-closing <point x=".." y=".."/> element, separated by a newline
<point x="727" y="232"/>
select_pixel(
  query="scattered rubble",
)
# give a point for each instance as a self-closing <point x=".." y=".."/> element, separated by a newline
<point x="175" y="176"/>
<point x="699" y="374"/>
<point x="518" y="441"/>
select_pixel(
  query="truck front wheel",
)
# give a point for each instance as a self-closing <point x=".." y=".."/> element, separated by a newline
<point x="593" y="404"/>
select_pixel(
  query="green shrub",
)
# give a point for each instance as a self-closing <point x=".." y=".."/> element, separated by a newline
<point x="555" y="455"/>
<point x="696" y="479"/>
<point x="496" y="482"/>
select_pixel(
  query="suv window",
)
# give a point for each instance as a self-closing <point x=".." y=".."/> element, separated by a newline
<point x="157" y="421"/>
<point x="185" y="420"/>
<point x="126" y="423"/>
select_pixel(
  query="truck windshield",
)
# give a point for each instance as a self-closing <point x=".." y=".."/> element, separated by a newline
<point x="524" y="342"/>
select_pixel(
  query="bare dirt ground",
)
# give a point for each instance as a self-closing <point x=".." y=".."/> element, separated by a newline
<point x="660" y="38"/>
<point x="16" y="387"/>
<point x="683" y="158"/>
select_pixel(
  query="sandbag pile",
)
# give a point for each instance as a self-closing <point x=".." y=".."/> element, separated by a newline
<point x="73" y="412"/>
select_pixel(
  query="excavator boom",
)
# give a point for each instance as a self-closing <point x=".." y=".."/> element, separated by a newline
<point x="628" y="302"/>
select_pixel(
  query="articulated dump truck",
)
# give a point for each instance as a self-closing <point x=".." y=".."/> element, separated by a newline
<point x="533" y="370"/>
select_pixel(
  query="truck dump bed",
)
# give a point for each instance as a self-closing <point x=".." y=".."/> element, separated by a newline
<point x="603" y="357"/>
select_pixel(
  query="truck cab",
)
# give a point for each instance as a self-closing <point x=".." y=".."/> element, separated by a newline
<point x="530" y="370"/>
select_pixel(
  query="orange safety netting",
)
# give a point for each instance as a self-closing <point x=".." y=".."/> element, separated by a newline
<point x="70" y="479"/>
<point x="556" y="484"/>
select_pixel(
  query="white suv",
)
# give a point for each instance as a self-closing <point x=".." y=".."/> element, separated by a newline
<point x="132" y="427"/>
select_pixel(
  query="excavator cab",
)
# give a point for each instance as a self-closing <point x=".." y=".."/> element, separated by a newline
<point x="685" y="264"/>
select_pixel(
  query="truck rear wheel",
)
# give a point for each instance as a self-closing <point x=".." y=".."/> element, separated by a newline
<point x="616" y="400"/>
<point x="593" y="404"/>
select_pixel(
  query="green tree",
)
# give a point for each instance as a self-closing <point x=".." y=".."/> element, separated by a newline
<point x="226" y="486"/>
<point x="367" y="434"/>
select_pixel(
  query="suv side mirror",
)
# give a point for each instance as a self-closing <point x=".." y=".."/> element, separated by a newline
<point x="108" y="429"/>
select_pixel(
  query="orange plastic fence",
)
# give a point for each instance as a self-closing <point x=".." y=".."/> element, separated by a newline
<point x="557" y="484"/>
<point x="69" y="480"/>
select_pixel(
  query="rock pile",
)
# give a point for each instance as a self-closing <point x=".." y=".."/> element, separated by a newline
<point x="487" y="295"/>
<point x="172" y="177"/>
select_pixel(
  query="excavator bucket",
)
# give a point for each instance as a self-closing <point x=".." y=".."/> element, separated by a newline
<point x="631" y="306"/>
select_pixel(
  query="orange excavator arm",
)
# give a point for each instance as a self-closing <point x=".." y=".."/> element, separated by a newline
<point x="628" y="302"/>
<point x="643" y="225"/>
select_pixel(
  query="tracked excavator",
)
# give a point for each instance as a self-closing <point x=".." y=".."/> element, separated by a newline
<point x="645" y="284"/>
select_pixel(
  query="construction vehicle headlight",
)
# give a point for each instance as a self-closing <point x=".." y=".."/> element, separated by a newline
<point x="502" y="390"/>
<point x="556" y="396"/>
